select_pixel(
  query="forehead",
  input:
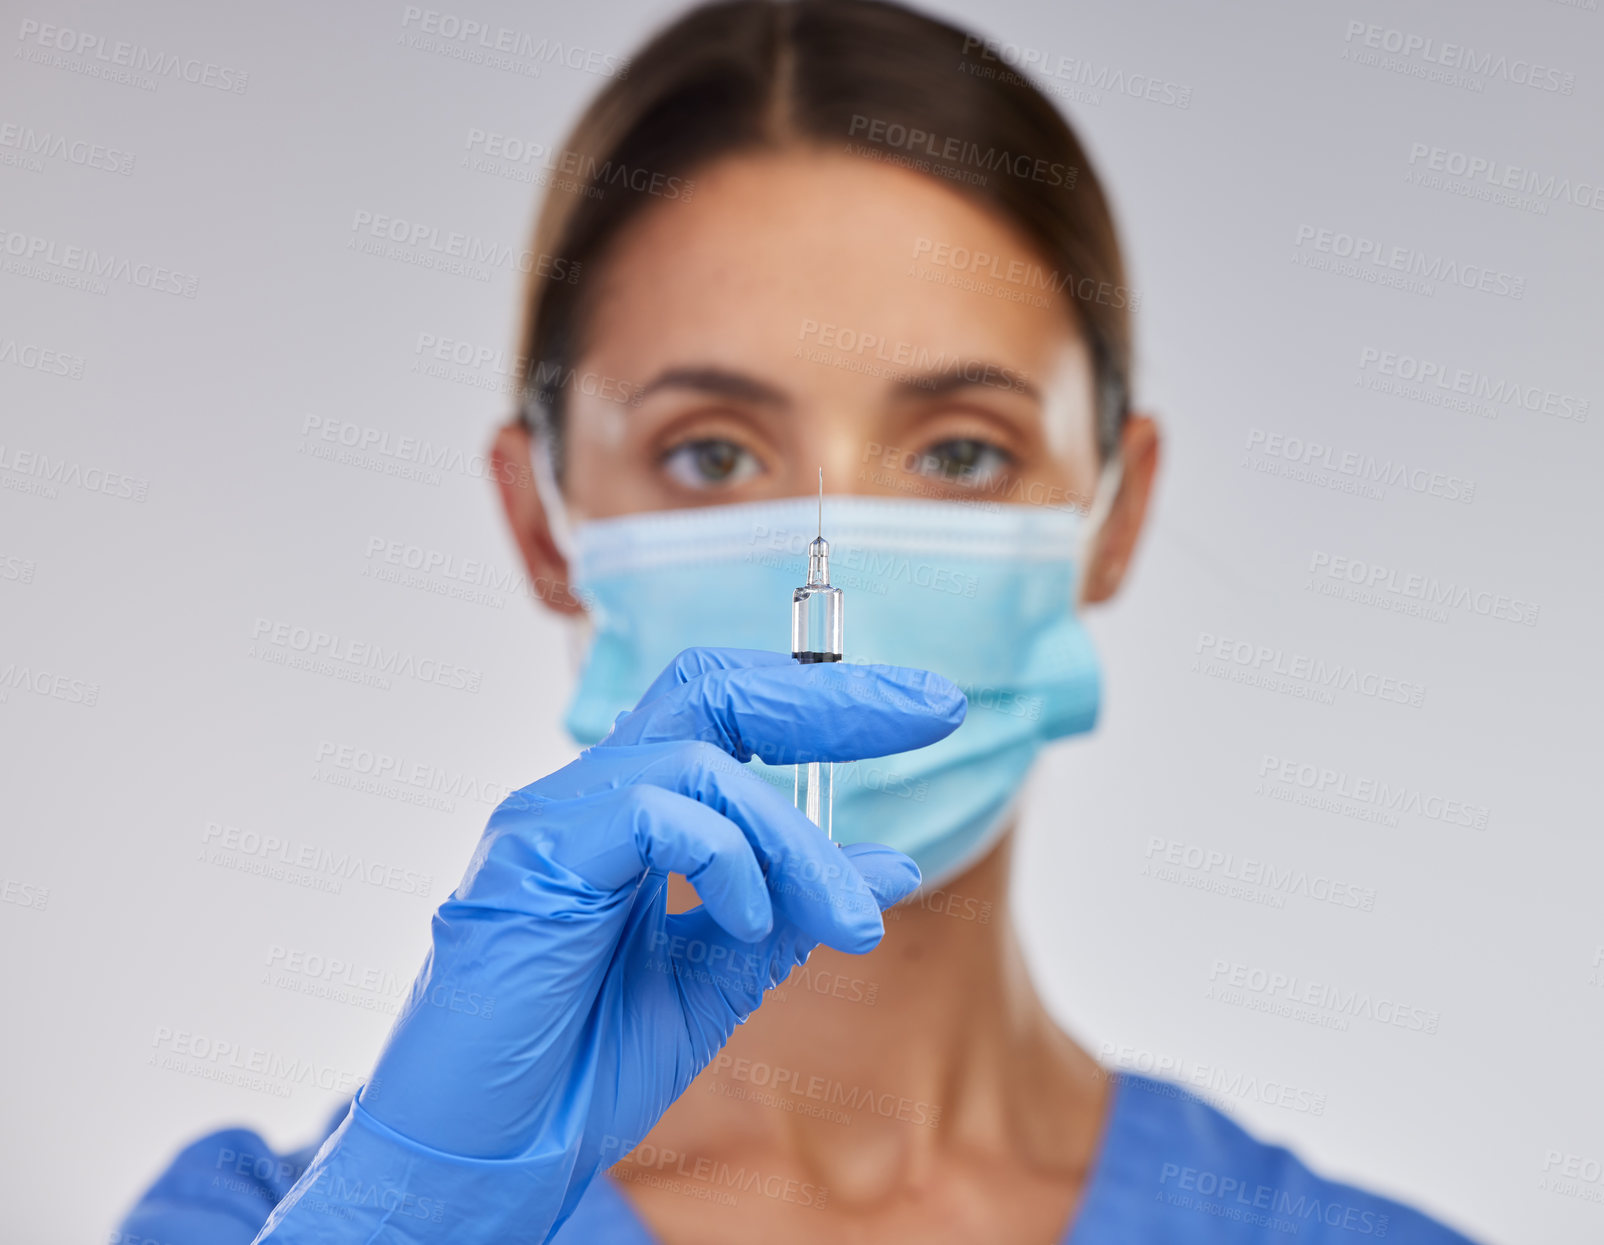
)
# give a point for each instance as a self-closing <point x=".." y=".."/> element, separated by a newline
<point x="773" y="249"/>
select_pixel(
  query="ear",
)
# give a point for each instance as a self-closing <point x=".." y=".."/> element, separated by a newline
<point x="526" y="516"/>
<point x="1114" y="545"/>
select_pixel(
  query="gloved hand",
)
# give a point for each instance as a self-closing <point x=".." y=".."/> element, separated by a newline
<point x="561" y="1009"/>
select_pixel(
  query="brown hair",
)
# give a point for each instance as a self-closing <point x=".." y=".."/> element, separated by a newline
<point x="862" y="76"/>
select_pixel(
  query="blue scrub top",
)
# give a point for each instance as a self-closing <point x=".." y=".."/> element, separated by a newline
<point x="1172" y="1171"/>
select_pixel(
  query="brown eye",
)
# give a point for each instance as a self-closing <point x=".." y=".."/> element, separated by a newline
<point x="710" y="463"/>
<point x="964" y="459"/>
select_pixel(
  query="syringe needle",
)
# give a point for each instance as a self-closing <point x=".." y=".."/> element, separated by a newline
<point x="816" y="610"/>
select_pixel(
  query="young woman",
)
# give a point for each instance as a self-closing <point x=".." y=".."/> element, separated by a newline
<point x="831" y="235"/>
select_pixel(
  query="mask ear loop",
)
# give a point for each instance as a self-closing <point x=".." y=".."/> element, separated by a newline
<point x="1108" y="485"/>
<point x="543" y="466"/>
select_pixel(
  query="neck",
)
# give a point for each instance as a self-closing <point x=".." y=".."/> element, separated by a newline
<point x="935" y="1040"/>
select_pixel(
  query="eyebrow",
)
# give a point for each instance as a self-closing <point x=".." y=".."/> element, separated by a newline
<point x="955" y="377"/>
<point x="717" y="381"/>
<point x="965" y="374"/>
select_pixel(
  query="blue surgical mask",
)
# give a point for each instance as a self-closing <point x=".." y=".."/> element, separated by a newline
<point x="981" y="593"/>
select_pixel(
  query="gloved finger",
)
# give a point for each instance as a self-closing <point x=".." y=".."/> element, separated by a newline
<point x="793" y="713"/>
<point x="691" y="663"/>
<point x="890" y="874"/>
<point x="610" y="838"/>
<point x="723" y="980"/>
<point x="812" y="883"/>
<point x="809" y="881"/>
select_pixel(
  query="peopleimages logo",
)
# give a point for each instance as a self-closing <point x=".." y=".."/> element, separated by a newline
<point x="1021" y="164"/>
<point x="1369" y="254"/>
<point x="35" y="358"/>
<point x="1457" y="56"/>
<point x="1427" y="375"/>
<point x="1228" y="975"/>
<point x="1242" y="1198"/>
<point x="1266" y="660"/>
<point x="43" y="682"/>
<point x="1426" y="590"/>
<point x="1031" y="276"/>
<point x="401" y="450"/>
<point x="204" y="1049"/>
<point x="1501" y="176"/>
<point x="1251" y="872"/>
<point x="1175" y="1075"/>
<point x="708" y="1180"/>
<point x="47" y="145"/>
<point x="1325" y="782"/>
<point x="363" y="655"/>
<point x="95" y="55"/>
<point x="382" y="766"/>
<point x="222" y="843"/>
<point x="466" y="32"/>
<point x="454" y="244"/>
<point x="68" y="263"/>
<point x="597" y="174"/>
<point x="785" y="1080"/>
<point x="1079" y="70"/>
<point x="1365" y="468"/>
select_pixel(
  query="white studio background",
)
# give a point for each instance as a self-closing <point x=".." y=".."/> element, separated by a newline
<point x="194" y="510"/>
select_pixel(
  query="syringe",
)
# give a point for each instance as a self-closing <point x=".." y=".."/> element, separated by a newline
<point x="816" y="632"/>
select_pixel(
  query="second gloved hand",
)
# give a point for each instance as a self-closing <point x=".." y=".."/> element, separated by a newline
<point x="562" y="1009"/>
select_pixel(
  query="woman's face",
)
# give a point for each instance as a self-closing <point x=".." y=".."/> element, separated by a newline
<point x="806" y="310"/>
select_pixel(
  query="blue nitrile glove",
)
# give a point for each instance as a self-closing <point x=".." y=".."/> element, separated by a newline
<point x="561" y="1009"/>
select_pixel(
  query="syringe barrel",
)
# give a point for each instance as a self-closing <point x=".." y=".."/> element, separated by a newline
<point x="817" y="623"/>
